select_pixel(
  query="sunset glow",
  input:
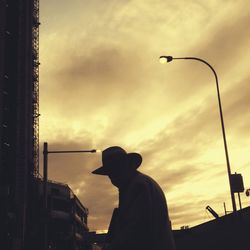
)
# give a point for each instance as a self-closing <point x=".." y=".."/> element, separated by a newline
<point x="101" y="84"/>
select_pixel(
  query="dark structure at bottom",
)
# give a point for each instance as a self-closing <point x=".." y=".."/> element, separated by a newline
<point x="229" y="232"/>
<point x="66" y="219"/>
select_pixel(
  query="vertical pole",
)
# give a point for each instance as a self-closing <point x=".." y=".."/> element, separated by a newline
<point x="222" y="125"/>
<point x="225" y="144"/>
<point x="239" y="200"/>
<point x="45" y="183"/>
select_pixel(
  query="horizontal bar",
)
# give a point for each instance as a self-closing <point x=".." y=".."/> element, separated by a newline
<point x="72" y="151"/>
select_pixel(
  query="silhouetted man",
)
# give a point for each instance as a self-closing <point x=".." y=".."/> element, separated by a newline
<point x="141" y="221"/>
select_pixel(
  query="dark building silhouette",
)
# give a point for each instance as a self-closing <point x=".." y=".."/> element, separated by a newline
<point x="18" y="117"/>
<point x="66" y="216"/>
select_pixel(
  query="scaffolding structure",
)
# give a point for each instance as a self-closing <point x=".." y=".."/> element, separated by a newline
<point x="35" y="94"/>
<point x="19" y="119"/>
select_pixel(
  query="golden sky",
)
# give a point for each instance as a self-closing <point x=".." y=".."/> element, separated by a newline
<point x="101" y="85"/>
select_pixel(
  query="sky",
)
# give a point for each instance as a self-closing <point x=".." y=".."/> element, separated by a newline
<point x="101" y="84"/>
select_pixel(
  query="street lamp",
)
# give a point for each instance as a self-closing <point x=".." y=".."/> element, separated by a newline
<point x="45" y="179"/>
<point x="166" y="59"/>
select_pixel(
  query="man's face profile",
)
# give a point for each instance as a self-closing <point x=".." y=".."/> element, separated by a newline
<point x="115" y="176"/>
<point x="118" y="174"/>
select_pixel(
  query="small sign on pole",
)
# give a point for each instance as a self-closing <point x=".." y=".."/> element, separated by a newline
<point x="237" y="183"/>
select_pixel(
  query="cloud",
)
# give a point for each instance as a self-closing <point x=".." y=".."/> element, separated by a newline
<point x="227" y="38"/>
<point x="170" y="157"/>
<point x="102" y="85"/>
<point x="186" y="209"/>
<point x="237" y="112"/>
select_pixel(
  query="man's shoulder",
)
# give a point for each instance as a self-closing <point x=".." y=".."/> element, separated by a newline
<point x="148" y="184"/>
<point x="142" y="179"/>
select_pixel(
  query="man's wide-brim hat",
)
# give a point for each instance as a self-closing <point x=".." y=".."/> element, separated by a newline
<point x="115" y="157"/>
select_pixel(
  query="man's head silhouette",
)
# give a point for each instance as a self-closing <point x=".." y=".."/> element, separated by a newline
<point x="118" y="165"/>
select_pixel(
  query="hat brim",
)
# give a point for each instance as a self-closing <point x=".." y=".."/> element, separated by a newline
<point x="135" y="161"/>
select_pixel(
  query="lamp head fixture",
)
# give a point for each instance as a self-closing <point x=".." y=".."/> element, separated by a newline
<point x="165" y="59"/>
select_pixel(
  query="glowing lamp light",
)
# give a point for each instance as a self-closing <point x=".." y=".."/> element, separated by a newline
<point x="162" y="60"/>
<point x="165" y="59"/>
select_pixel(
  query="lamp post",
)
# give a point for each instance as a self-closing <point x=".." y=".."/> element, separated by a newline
<point x="45" y="181"/>
<point x="166" y="59"/>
